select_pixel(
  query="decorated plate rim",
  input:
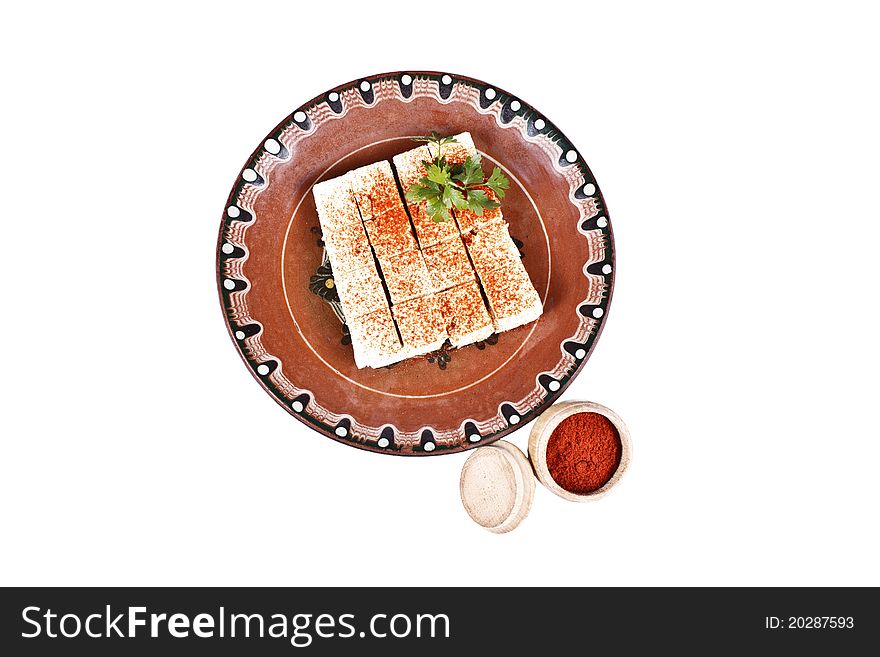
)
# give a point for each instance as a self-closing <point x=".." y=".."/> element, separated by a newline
<point x="509" y="107"/>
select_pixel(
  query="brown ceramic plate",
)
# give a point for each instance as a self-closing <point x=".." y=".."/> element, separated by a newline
<point x="280" y="304"/>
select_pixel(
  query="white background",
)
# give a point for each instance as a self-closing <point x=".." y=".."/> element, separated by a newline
<point x="737" y="150"/>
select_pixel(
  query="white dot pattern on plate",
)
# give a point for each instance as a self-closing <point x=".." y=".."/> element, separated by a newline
<point x="383" y="442"/>
<point x="342" y="432"/>
<point x="554" y="385"/>
<point x="333" y="96"/>
<point x="446" y="79"/>
<point x="272" y="146"/>
<point x="429" y="447"/>
<point x="515" y="106"/>
<point x="297" y="406"/>
<point x="239" y="335"/>
<point x="229" y="284"/>
<point x="601" y="222"/>
<point x="539" y="124"/>
<point x="474" y="437"/>
<point x="406" y="79"/>
<point x="263" y="370"/>
<point x="233" y="211"/>
<point x="598" y="312"/>
<point x="249" y="174"/>
<point x="589" y="189"/>
<point x="514" y="419"/>
<point x="580" y="353"/>
<point x="606" y="269"/>
<point x="571" y="156"/>
<point x="490" y="93"/>
<point x="366" y="86"/>
<point x="227" y="248"/>
<point x="299" y="117"/>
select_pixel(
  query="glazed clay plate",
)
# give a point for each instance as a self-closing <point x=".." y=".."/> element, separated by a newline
<point x="280" y="302"/>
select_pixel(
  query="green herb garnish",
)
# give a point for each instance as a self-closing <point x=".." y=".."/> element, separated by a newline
<point x="461" y="186"/>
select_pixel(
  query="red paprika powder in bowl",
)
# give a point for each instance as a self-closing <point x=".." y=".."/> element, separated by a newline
<point x="579" y="450"/>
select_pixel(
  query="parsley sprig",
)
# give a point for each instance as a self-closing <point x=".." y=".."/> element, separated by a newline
<point x="459" y="186"/>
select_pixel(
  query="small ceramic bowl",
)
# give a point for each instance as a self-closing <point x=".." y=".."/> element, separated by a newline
<point x="540" y="435"/>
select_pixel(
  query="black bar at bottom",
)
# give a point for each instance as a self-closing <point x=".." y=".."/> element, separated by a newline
<point x="220" y="621"/>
